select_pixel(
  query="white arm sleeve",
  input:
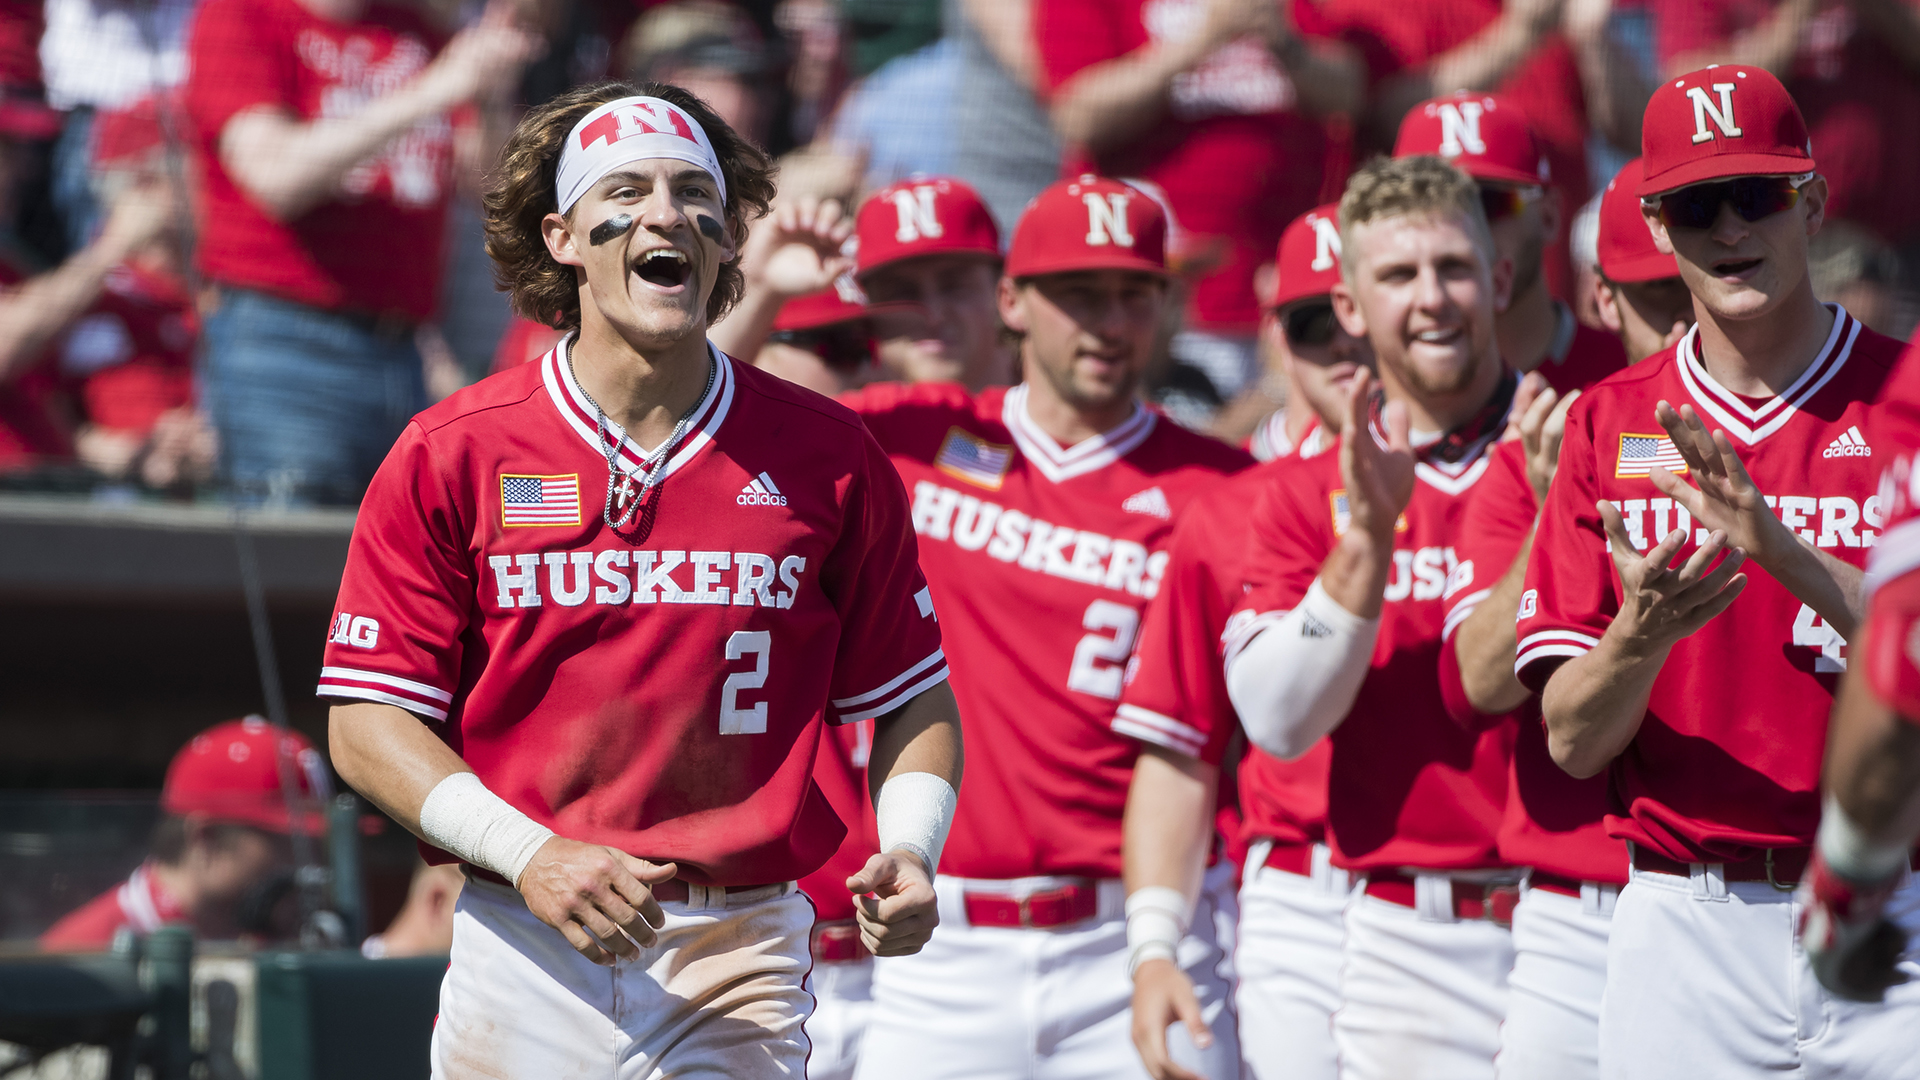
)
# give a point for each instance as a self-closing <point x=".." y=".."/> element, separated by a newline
<point x="914" y="812"/>
<point x="1295" y="678"/>
<point x="461" y="817"/>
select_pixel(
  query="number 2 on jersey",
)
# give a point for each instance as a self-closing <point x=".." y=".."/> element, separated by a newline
<point x="1100" y="660"/>
<point x="751" y="720"/>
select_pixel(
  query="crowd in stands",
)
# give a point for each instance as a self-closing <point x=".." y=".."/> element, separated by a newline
<point x="241" y="244"/>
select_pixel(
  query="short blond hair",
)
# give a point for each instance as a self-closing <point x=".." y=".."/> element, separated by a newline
<point x="1424" y="186"/>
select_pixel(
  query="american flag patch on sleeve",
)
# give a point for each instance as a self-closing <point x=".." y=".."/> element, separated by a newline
<point x="973" y="459"/>
<point x="539" y="500"/>
<point x="1640" y="453"/>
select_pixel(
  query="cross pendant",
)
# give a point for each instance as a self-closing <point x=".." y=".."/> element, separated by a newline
<point x="624" y="493"/>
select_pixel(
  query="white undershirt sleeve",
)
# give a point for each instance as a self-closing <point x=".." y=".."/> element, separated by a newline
<point x="1294" y="680"/>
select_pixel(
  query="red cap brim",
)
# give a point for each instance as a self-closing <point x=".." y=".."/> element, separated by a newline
<point x="1724" y="167"/>
<point x="1499" y="174"/>
<point x="1083" y="260"/>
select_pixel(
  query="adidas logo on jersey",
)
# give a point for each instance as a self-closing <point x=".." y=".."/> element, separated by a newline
<point x="1151" y="502"/>
<point x="1850" y="444"/>
<point x="761" y="491"/>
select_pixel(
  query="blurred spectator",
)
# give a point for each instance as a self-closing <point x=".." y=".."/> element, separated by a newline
<point x="1215" y="102"/>
<point x="325" y="145"/>
<point x="98" y="55"/>
<point x="1003" y="141"/>
<point x="220" y="857"/>
<point x="1639" y="293"/>
<point x="1852" y="267"/>
<point x="424" y="926"/>
<point x="818" y="71"/>
<point x="1853" y="67"/>
<point x="899" y="119"/>
<point x="823" y="342"/>
<point x="710" y="48"/>
<point x="1553" y="58"/>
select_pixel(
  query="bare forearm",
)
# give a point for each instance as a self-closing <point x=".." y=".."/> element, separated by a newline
<point x="1481" y="62"/>
<point x="1169" y="821"/>
<point x="1594" y="704"/>
<point x="747" y="326"/>
<point x="1355" y="573"/>
<point x="388" y="755"/>
<point x="1873" y="764"/>
<point x="1833" y="589"/>
<point x="1486" y="642"/>
<point x="1770" y="45"/>
<point x="1111" y="102"/>
<point x="44" y="307"/>
<point x="921" y="736"/>
<point x="289" y="167"/>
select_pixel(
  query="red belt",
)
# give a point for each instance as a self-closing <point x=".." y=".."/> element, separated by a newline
<point x="1295" y="858"/>
<point x="1780" y="867"/>
<point x="1043" y="910"/>
<point x="1492" y="901"/>
<point x="1555" y="883"/>
<point x="838" y="942"/>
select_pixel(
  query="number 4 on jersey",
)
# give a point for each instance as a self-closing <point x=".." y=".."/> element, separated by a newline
<point x="1809" y="630"/>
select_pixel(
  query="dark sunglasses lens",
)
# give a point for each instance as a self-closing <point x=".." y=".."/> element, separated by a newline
<point x="1753" y="198"/>
<point x="839" y="347"/>
<point x="1499" y="203"/>
<point x="1310" y="325"/>
<point x="1756" y="197"/>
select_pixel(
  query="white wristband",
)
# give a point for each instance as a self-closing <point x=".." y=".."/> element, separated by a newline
<point x="1156" y="921"/>
<point x="1848" y="850"/>
<point x="914" y="812"/>
<point x="461" y="817"/>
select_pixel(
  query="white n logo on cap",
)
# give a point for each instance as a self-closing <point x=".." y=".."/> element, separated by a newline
<point x="1107" y="219"/>
<point x="1326" y="243"/>
<point x="917" y="218"/>
<point x="1460" y="128"/>
<point x="1722" y="116"/>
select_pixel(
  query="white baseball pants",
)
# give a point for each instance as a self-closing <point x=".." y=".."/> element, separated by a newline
<point x="842" y="1004"/>
<point x="1553" y="995"/>
<point x="718" y="997"/>
<point x="1421" y="998"/>
<point x="1289" y="953"/>
<point x="1000" y="1003"/>
<point x="1706" y="978"/>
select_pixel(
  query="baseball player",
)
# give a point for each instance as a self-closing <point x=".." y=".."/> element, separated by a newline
<point x="1044" y="512"/>
<point x="1856" y="925"/>
<point x="1287" y="955"/>
<point x="1637" y="291"/>
<point x="1489" y="139"/>
<point x="1553" y="824"/>
<point x="595" y="613"/>
<point x="930" y="241"/>
<point x="1694" y="582"/>
<point x="1340" y="632"/>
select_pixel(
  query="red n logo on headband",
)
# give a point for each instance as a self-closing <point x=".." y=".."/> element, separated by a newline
<point x="636" y="120"/>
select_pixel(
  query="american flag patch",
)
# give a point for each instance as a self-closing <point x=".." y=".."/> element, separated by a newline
<point x="539" y="500"/>
<point x="972" y="459"/>
<point x="1640" y="453"/>
<point x="1341" y="516"/>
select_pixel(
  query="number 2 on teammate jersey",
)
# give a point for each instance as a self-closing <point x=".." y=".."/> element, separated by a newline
<point x="1100" y="660"/>
<point x="751" y="720"/>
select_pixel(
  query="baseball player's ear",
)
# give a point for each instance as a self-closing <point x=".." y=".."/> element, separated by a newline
<point x="1814" y="195"/>
<point x="1013" y="310"/>
<point x="1502" y="282"/>
<point x="1654" y="226"/>
<point x="561" y="244"/>
<point x="1346" y="308"/>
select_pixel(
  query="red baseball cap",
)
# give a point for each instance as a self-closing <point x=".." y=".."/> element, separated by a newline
<point x="1721" y="121"/>
<point x="1626" y="246"/>
<point x="1308" y="262"/>
<point x="231" y="772"/>
<point x="1089" y="223"/>
<point x="1483" y="135"/>
<point x="923" y="215"/>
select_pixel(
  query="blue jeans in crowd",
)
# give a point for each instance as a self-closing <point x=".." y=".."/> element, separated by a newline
<point x="306" y="402"/>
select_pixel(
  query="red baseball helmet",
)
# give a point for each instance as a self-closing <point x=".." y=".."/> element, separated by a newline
<point x="1485" y="136"/>
<point x="231" y="772"/>
<point x="1626" y="246"/>
<point x="1721" y="121"/>
<point x="1308" y="262"/>
<point x="1089" y="223"/>
<point x="923" y="215"/>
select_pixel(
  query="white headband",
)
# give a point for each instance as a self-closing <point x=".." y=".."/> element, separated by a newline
<point x="628" y="130"/>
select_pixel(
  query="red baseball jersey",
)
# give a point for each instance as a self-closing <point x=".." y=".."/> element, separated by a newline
<point x="841" y="771"/>
<point x="1727" y="761"/>
<point x="661" y="691"/>
<point x="1893" y="670"/>
<point x="1041" y="559"/>
<point x="1580" y="356"/>
<point x="1176" y="694"/>
<point x="1407" y="785"/>
<point x="1553" y="822"/>
<point x="140" y="902"/>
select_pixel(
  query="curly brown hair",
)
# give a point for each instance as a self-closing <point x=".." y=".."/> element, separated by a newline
<point x="520" y="193"/>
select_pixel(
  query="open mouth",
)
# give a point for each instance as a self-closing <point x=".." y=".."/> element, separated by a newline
<point x="1443" y="336"/>
<point x="663" y="267"/>
<point x="1734" y="267"/>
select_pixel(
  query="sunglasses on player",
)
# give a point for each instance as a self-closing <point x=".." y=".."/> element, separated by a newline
<point x="1310" y="323"/>
<point x="1752" y="197"/>
<point x="845" y="346"/>
<point x="1502" y="202"/>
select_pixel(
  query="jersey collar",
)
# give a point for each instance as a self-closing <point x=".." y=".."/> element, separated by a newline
<point x="578" y="412"/>
<point x="1750" y="423"/>
<point x="1269" y="441"/>
<point x="1058" y="463"/>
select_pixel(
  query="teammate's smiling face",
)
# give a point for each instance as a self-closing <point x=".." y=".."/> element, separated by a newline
<point x="1422" y="290"/>
<point x="957" y="339"/>
<point x="1741" y="269"/>
<point x="1089" y="332"/>
<point x="649" y="284"/>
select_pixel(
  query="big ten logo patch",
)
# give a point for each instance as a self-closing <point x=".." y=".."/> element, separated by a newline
<point x="356" y="630"/>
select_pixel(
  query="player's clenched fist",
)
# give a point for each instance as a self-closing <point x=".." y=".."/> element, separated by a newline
<point x="599" y="897"/>
<point x="893" y="901"/>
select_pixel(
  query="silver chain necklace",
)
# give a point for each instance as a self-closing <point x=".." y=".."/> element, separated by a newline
<point x="620" y="489"/>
